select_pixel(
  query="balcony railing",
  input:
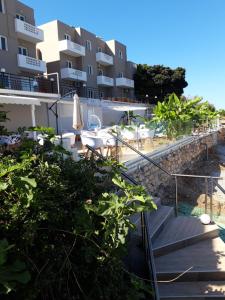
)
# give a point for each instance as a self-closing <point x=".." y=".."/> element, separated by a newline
<point x="71" y="48"/>
<point x="73" y="74"/>
<point x="104" y="59"/>
<point x="28" y="32"/>
<point x="33" y="64"/>
<point x="27" y="84"/>
<point x="105" y="81"/>
<point x="125" y="82"/>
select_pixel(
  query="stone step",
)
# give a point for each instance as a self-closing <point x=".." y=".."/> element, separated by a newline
<point x="181" y="232"/>
<point x="157" y="220"/>
<point x="192" y="290"/>
<point x="136" y="218"/>
<point x="204" y="258"/>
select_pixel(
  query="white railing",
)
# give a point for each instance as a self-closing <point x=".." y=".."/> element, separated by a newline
<point x="104" y="80"/>
<point x="29" y="32"/>
<point x="124" y="82"/>
<point x="31" y="63"/>
<point x="71" y="48"/>
<point x="104" y="58"/>
<point x="73" y="74"/>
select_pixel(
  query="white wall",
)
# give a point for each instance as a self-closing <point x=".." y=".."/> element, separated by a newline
<point x="20" y="116"/>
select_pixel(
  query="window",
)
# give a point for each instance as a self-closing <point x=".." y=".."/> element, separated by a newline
<point x="67" y="37"/>
<point x="2" y="7"/>
<point x="5" y="80"/>
<point x="120" y="75"/>
<point x="99" y="49"/>
<point x="90" y="70"/>
<point x="88" y="45"/>
<point x="101" y="95"/>
<point x="100" y="72"/>
<point x="3" y="43"/>
<point x="120" y="54"/>
<point x="20" y="17"/>
<point x="23" y="51"/>
<point x="69" y="64"/>
<point x="90" y="94"/>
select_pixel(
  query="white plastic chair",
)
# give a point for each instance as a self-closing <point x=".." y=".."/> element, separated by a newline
<point x="92" y="141"/>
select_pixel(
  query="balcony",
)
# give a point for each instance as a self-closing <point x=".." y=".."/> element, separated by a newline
<point x="73" y="74"/>
<point x="125" y="83"/>
<point x="104" y="59"/>
<point x="71" y="48"/>
<point x="105" y="81"/>
<point x="28" y="32"/>
<point x="32" y="64"/>
<point x="27" y="86"/>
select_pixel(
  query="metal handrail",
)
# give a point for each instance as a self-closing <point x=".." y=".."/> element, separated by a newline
<point x="197" y="176"/>
<point x="145" y="234"/>
<point x="139" y="153"/>
<point x="219" y="186"/>
<point x="211" y="178"/>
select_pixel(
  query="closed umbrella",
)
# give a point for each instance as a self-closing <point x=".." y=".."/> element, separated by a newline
<point x="78" y="123"/>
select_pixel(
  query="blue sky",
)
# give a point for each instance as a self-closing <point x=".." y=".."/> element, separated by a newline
<point x="186" y="33"/>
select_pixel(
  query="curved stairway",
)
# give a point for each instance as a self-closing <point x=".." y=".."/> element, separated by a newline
<point x="182" y="245"/>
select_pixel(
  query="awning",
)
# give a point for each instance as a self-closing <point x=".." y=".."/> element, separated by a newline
<point x="19" y="100"/>
<point x="125" y="107"/>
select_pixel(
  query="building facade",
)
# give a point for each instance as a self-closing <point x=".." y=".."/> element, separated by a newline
<point x="18" y="39"/>
<point x="86" y="62"/>
<point x="39" y="65"/>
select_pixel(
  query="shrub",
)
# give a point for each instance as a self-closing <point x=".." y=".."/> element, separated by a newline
<point x="69" y="223"/>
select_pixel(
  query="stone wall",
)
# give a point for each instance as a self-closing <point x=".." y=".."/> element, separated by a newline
<point x="175" y="159"/>
<point x="221" y="135"/>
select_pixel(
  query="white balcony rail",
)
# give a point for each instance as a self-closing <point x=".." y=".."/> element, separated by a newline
<point x="71" y="48"/>
<point x="104" y="58"/>
<point x="104" y="80"/>
<point x="73" y="74"/>
<point x="28" y="32"/>
<point x="31" y="63"/>
<point x="125" y="82"/>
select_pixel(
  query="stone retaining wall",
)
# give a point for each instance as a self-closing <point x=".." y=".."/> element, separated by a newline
<point x="175" y="159"/>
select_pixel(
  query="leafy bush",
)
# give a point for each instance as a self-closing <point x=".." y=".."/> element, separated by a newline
<point x="69" y="223"/>
<point x="181" y="116"/>
<point x="11" y="273"/>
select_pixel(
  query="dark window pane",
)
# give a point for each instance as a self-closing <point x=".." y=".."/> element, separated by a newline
<point x="3" y="43"/>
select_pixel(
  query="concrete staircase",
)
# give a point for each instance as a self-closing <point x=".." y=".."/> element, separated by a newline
<point x="183" y="243"/>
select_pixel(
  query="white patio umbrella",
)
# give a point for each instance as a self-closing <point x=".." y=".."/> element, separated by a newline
<point x="78" y="123"/>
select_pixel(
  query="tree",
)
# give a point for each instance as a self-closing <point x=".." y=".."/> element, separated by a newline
<point x="158" y="82"/>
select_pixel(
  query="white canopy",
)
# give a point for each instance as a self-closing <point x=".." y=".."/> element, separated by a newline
<point x="125" y="107"/>
<point x="19" y="100"/>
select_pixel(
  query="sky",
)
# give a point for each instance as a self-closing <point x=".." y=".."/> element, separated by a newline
<point x="174" y="33"/>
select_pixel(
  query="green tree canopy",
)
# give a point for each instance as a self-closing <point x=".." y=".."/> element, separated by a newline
<point x="158" y="82"/>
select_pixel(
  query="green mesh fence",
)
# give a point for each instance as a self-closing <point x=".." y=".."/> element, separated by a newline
<point x="190" y="210"/>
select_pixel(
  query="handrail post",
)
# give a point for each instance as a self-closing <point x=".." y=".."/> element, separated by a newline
<point x="143" y="230"/>
<point x="211" y="201"/>
<point x="176" y="200"/>
<point x="117" y="152"/>
<point x="206" y="195"/>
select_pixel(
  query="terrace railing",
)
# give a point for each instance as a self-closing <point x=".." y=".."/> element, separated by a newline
<point x="208" y="180"/>
<point x="25" y="83"/>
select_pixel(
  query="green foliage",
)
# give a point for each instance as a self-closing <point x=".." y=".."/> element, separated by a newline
<point x="181" y="116"/>
<point x="69" y="222"/>
<point x="222" y="112"/>
<point x="3" y="118"/>
<point x="11" y="273"/>
<point x="158" y="82"/>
